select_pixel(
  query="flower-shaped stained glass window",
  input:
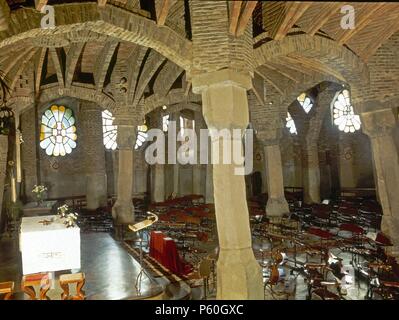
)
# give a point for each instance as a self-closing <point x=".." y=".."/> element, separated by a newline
<point x="305" y="102"/>
<point x="110" y="131"/>
<point x="344" y="115"/>
<point x="141" y="136"/>
<point x="58" y="132"/>
<point x="290" y="124"/>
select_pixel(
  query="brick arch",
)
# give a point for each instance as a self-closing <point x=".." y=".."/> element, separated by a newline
<point x="108" y="21"/>
<point x="173" y="97"/>
<point x="322" y="50"/>
<point x="22" y="103"/>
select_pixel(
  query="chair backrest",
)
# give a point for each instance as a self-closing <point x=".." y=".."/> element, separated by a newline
<point x="205" y="268"/>
<point x="321" y="211"/>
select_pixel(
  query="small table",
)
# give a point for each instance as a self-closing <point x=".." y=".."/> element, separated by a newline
<point x="39" y="279"/>
<point x="7" y="289"/>
<point x="66" y="280"/>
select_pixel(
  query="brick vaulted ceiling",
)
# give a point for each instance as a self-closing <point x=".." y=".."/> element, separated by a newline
<point x="101" y="62"/>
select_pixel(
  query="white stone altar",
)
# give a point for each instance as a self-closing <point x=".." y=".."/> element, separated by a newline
<point x="48" y="248"/>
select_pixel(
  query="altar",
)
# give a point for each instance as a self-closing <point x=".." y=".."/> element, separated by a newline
<point x="47" y="245"/>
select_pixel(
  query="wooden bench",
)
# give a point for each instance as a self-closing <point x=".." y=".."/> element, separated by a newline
<point x="37" y="279"/>
<point x="66" y="280"/>
<point x="7" y="288"/>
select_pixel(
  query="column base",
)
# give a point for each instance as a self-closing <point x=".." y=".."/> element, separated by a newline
<point x="239" y="275"/>
<point x="123" y="213"/>
<point x="277" y="207"/>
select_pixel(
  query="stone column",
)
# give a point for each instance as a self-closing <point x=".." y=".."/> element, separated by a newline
<point x="209" y="184"/>
<point x="123" y="210"/>
<point x="276" y="205"/>
<point x="158" y="178"/>
<point x="92" y="143"/>
<point x="378" y="126"/>
<point x="3" y="169"/>
<point x="197" y="168"/>
<point x="311" y="174"/>
<point x="176" y="167"/>
<point x="225" y="106"/>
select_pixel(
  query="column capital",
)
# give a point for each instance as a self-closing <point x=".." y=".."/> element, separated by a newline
<point x="269" y="137"/>
<point x="126" y="137"/>
<point x="223" y="77"/>
<point x="378" y="123"/>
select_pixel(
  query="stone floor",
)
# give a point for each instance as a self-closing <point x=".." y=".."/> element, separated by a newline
<point x="110" y="271"/>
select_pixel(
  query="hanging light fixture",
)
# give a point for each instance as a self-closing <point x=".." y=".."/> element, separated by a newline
<point x="6" y="120"/>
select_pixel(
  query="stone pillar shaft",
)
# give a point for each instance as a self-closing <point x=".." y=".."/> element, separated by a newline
<point x="158" y="183"/>
<point x="123" y="210"/>
<point x="197" y="168"/>
<point x="276" y="204"/>
<point x="3" y="169"/>
<point x="225" y="106"/>
<point x="96" y="178"/>
<point x="378" y="126"/>
<point x="311" y="175"/>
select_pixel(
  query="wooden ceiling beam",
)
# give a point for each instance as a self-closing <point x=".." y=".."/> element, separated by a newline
<point x="39" y="4"/>
<point x="291" y="13"/>
<point x="234" y="15"/>
<point x="245" y="17"/>
<point x="162" y="10"/>
<point x="324" y="15"/>
<point x="4" y="15"/>
<point x="361" y="23"/>
<point x="376" y="42"/>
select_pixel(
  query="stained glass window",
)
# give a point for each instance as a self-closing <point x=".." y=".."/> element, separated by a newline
<point x="305" y="102"/>
<point x="58" y="131"/>
<point x="165" y="123"/>
<point x="343" y="113"/>
<point x="141" y="136"/>
<point x="290" y="124"/>
<point x="110" y="131"/>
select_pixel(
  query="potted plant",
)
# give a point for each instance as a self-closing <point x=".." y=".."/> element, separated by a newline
<point x="39" y="192"/>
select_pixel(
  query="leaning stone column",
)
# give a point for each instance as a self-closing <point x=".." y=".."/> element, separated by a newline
<point x="123" y="210"/>
<point x="3" y="168"/>
<point x="311" y="174"/>
<point x="378" y="126"/>
<point x="276" y="205"/>
<point x="96" y="177"/>
<point x="225" y="106"/>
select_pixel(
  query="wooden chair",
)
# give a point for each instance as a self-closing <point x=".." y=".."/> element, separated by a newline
<point x="7" y="289"/>
<point x="205" y="271"/>
<point x="75" y="278"/>
<point x="38" y="279"/>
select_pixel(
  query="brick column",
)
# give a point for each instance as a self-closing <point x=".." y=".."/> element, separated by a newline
<point x="92" y="137"/>
<point x="123" y="210"/>
<point x="379" y="126"/>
